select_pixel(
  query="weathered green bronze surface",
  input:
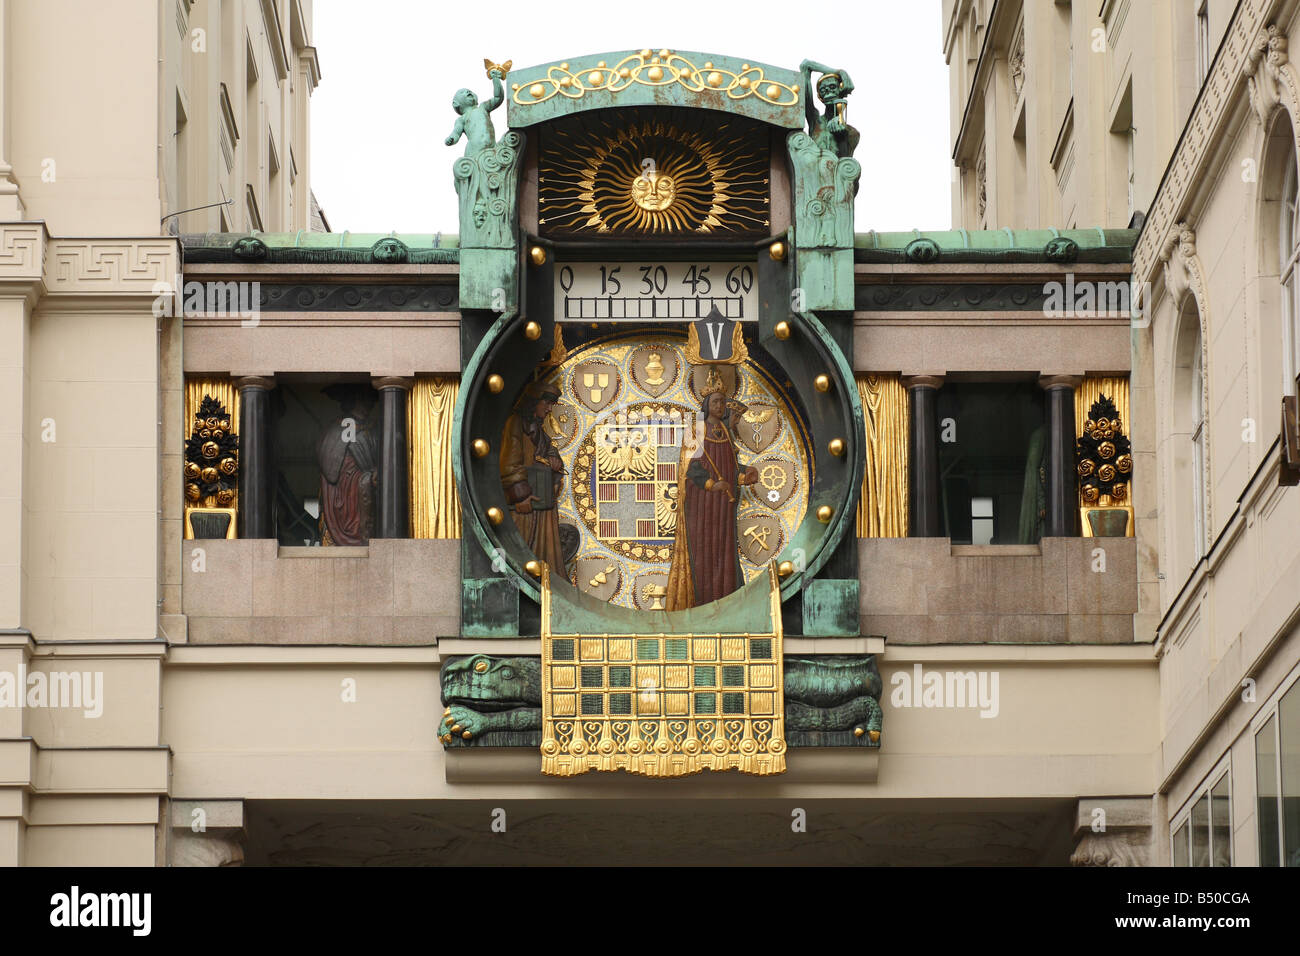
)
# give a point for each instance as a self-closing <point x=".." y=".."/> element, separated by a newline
<point x="825" y="184"/>
<point x="487" y="187"/>
<point x="996" y="245"/>
<point x="491" y="701"/>
<point x="321" y="247"/>
<point x="358" y="297"/>
<point x="959" y="245"/>
<point x="660" y="77"/>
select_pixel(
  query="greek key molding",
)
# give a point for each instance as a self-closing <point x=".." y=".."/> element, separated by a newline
<point x="22" y="252"/>
<point x="1204" y="125"/>
<point x="133" y="267"/>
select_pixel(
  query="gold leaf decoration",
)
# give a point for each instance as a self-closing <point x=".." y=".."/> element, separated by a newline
<point x="654" y="172"/>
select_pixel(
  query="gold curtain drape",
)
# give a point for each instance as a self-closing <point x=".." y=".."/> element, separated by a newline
<point x="1091" y="389"/>
<point x="435" y="505"/>
<point x="222" y="388"/>
<point x="882" y="511"/>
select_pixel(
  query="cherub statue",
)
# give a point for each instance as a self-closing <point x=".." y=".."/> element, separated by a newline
<point x="475" y="121"/>
<point x="832" y="131"/>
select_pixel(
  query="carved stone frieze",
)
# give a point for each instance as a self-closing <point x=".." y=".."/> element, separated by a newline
<point x="132" y="267"/>
<point x="1113" y="848"/>
<point x="212" y="848"/>
<point x="1209" y="116"/>
<point x="1113" y="831"/>
<point x="22" y="251"/>
<point x="1271" y="79"/>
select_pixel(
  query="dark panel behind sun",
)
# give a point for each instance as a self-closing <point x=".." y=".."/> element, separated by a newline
<point x="654" y="172"/>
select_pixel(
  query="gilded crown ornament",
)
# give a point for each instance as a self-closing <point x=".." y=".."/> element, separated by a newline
<point x="713" y="384"/>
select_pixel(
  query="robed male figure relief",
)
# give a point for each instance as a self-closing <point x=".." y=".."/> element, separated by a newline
<point x="532" y="474"/>
<point x="348" y="456"/>
<point x="706" y="559"/>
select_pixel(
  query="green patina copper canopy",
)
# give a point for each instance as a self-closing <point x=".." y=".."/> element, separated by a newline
<point x="996" y="245"/>
<point x="654" y="77"/>
<point x="917" y="246"/>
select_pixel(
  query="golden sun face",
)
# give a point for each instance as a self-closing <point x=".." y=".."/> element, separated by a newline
<point x="654" y="171"/>
<point x="654" y="192"/>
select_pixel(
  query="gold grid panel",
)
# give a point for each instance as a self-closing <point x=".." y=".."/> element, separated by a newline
<point x="663" y="705"/>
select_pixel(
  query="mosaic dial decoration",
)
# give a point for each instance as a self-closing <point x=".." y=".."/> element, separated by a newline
<point x="625" y="406"/>
<point x="654" y="172"/>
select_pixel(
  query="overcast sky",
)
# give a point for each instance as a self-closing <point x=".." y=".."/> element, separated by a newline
<point x="389" y="69"/>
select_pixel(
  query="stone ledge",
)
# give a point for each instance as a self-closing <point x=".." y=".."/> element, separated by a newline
<point x="523" y="765"/>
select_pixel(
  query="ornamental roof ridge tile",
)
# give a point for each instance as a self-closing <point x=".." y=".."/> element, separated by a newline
<point x="302" y="246"/>
<point x="1094" y="244"/>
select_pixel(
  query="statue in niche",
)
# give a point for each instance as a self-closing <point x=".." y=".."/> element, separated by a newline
<point x="348" y="455"/>
<point x="706" y="557"/>
<point x="832" y="131"/>
<point x="532" y="475"/>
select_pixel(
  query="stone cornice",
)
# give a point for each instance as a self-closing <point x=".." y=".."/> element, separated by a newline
<point x="1194" y="151"/>
<point x="23" y="252"/>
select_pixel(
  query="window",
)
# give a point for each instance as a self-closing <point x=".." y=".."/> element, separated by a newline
<point x="1202" y="835"/>
<point x="1132" y="173"/>
<point x="1190" y="441"/>
<point x="1277" y="782"/>
<point x="1202" y="42"/>
<point x="992" y="441"/>
<point x="981" y="521"/>
<point x="1289" y="252"/>
<point x="1198" y="453"/>
<point x="326" y="450"/>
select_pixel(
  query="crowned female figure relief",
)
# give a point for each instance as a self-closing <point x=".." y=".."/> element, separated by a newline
<point x="706" y="558"/>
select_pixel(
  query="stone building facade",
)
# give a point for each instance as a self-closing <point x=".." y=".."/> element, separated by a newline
<point x="277" y="589"/>
<point x="1180" y="119"/>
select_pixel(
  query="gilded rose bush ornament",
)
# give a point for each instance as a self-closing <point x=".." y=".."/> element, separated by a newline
<point x="211" y="455"/>
<point x="1105" y="460"/>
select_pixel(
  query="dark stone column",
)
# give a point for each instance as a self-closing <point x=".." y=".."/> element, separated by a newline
<point x="1062" y="499"/>
<point x="256" y="487"/>
<point x="923" y="518"/>
<point x="393" y="513"/>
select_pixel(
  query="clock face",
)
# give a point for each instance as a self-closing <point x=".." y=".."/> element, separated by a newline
<point x="627" y="407"/>
<point x="654" y="172"/>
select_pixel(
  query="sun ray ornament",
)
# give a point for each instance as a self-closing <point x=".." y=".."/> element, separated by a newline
<point x="655" y="175"/>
